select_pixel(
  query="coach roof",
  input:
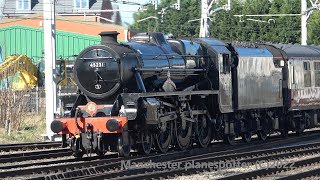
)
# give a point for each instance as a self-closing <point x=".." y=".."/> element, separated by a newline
<point x="299" y="50"/>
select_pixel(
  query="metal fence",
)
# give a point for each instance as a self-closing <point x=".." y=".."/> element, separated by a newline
<point x="15" y="105"/>
<point x="35" y="99"/>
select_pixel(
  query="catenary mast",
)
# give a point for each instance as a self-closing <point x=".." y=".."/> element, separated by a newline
<point x="49" y="59"/>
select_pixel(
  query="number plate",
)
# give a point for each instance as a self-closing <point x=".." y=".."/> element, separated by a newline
<point x="97" y="64"/>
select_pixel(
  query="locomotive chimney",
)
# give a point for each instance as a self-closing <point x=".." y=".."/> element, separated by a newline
<point x="109" y="37"/>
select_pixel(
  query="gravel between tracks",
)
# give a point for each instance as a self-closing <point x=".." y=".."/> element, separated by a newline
<point x="216" y="174"/>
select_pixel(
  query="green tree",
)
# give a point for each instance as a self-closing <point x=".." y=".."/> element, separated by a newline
<point x="314" y="28"/>
<point x="286" y="29"/>
<point x="175" y="22"/>
<point x="147" y="25"/>
<point x="230" y="28"/>
<point x="226" y="26"/>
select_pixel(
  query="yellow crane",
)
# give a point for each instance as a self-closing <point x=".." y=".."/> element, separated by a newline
<point x="23" y="66"/>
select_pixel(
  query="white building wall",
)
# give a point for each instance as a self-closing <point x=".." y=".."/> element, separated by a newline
<point x="1" y="8"/>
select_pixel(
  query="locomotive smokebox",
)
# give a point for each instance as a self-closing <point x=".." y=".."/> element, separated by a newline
<point x="109" y="37"/>
<point x="100" y="70"/>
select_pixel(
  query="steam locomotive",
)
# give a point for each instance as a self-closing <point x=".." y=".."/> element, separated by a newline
<point x="159" y="93"/>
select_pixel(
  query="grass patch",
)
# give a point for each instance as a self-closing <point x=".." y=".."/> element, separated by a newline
<point x="30" y="130"/>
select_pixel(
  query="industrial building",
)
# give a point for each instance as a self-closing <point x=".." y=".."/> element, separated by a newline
<point x="21" y="29"/>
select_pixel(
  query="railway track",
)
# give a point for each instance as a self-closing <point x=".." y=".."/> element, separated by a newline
<point x="111" y="167"/>
<point x="28" y="146"/>
<point x="148" y="172"/>
<point x="34" y="155"/>
<point x="312" y="174"/>
<point x="265" y="172"/>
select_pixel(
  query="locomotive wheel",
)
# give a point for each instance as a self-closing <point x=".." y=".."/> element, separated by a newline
<point x="123" y="149"/>
<point x="77" y="148"/>
<point x="164" y="137"/>
<point x="64" y="141"/>
<point x="100" y="153"/>
<point x="246" y="137"/>
<point x="203" y="127"/>
<point x="284" y="133"/>
<point x="146" y="142"/>
<point x="262" y="135"/>
<point x="183" y="133"/>
<point x="229" y="139"/>
<point x="78" y="155"/>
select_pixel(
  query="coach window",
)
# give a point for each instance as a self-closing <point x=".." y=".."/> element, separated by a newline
<point x="226" y="63"/>
<point x="307" y="74"/>
<point x="317" y="73"/>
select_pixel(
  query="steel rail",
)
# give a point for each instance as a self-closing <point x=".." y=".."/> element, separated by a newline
<point x="26" y="146"/>
<point x="34" y="155"/>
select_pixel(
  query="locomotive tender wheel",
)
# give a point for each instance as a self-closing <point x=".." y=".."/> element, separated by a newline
<point x="301" y="124"/>
<point x="246" y="137"/>
<point x="146" y="142"/>
<point x="123" y="149"/>
<point x="164" y="136"/>
<point x="229" y="139"/>
<point x="203" y="131"/>
<point x="183" y="133"/>
<point x="262" y="135"/>
<point x="300" y="129"/>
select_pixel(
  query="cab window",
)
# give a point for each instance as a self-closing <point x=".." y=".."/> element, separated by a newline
<point x="226" y="63"/>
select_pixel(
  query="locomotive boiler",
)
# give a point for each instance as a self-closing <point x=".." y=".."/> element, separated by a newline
<point x="156" y="93"/>
<point x="102" y="70"/>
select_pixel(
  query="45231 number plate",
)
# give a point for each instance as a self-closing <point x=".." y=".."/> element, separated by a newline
<point x="97" y="64"/>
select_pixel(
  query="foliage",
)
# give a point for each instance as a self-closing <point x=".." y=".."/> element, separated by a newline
<point x="30" y="130"/>
<point x="174" y="22"/>
<point x="314" y="28"/>
<point x="227" y="27"/>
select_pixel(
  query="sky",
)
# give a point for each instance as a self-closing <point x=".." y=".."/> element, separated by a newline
<point x="127" y="17"/>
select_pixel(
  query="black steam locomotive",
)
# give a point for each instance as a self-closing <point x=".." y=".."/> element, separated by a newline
<point x="157" y="93"/>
